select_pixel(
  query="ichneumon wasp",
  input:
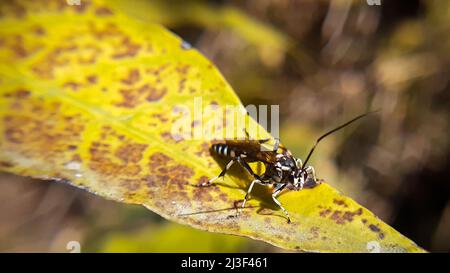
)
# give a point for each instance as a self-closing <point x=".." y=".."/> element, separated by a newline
<point x="282" y="169"/>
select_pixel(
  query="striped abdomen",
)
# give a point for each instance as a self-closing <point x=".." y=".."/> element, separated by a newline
<point x="224" y="150"/>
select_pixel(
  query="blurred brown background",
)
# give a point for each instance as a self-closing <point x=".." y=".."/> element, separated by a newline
<point x="323" y="62"/>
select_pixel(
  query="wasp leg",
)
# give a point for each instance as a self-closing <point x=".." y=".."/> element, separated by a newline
<point x="310" y="170"/>
<point x="249" y="191"/>
<point x="222" y="174"/>
<point x="257" y="179"/>
<point x="312" y="181"/>
<point x="274" y="195"/>
<point x="248" y="168"/>
<point x="227" y="167"/>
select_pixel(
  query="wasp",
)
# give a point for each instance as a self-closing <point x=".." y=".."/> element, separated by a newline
<point x="282" y="169"/>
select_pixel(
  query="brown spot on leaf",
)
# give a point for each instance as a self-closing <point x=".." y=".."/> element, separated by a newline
<point x="376" y="229"/>
<point x="203" y="180"/>
<point x="130" y="152"/>
<point x="131" y="170"/>
<point x="56" y="58"/>
<point x="73" y="85"/>
<point x="14" y="135"/>
<point x="19" y="50"/>
<point x="336" y="216"/>
<point x="223" y="197"/>
<point x="201" y="193"/>
<point x="325" y="213"/>
<point x="340" y="202"/>
<point x="168" y="175"/>
<point x="46" y="132"/>
<point x="18" y="94"/>
<point x="182" y="69"/>
<point x="133" y="97"/>
<point x="72" y="147"/>
<point x="132" y="185"/>
<point x="128" y="49"/>
<point x="160" y="117"/>
<point x="92" y="79"/>
<point x="38" y="30"/>
<point x="121" y="162"/>
<point x="158" y="159"/>
<point x="156" y="71"/>
<point x="103" y="11"/>
<point x="132" y="77"/>
<point x="181" y="85"/>
<point x="182" y="171"/>
<point x="129" y="99"/>
<point x="155" y="94"/>
<point x="340" y="217"/>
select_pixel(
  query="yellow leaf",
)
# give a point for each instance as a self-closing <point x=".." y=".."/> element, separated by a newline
<point x="89" y="96"/>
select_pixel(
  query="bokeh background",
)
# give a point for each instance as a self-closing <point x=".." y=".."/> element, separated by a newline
<point x="323" y="62"/>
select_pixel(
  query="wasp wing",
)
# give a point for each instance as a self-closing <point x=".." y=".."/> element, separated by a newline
<point x="255" y="151"/>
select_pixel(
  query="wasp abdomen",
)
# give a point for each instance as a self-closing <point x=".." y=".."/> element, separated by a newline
<point x="224" y="150"/>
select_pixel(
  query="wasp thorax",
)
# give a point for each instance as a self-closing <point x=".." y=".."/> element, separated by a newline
<point x="285" y="163"/>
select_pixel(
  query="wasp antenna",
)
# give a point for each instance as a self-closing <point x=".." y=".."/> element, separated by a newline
<point x="334" y="130"/>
